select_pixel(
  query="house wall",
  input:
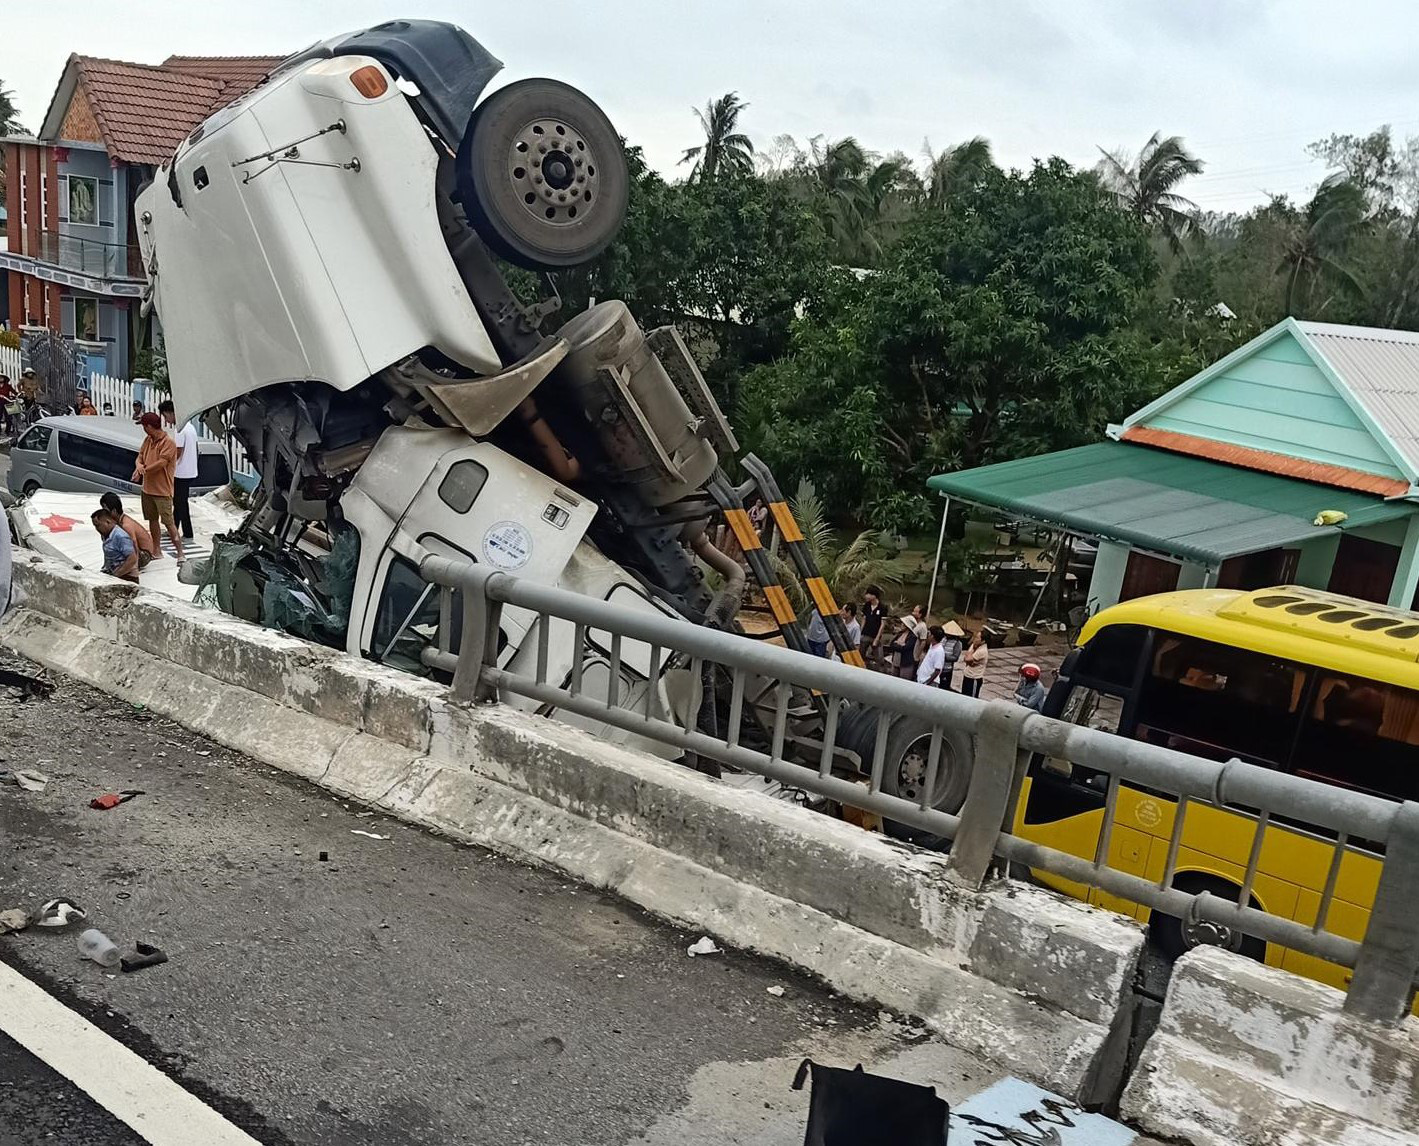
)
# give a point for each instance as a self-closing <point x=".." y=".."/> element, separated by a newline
<point x="92" y="166"/>
<point x="1277" y="399"/>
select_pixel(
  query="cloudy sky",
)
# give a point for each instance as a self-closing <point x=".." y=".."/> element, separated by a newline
<point x="1248" y="83"/>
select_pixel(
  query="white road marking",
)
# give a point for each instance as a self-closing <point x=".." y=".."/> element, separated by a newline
<point x="108" y="1072"/>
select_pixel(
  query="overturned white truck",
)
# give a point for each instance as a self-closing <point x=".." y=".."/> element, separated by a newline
<point x="321" y="254"/>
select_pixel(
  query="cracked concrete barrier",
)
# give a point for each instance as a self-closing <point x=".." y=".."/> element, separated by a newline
<point x="1036" y="982"/>
<point x="1249" y="1055"/>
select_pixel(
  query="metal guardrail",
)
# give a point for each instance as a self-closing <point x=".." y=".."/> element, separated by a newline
<point x="91" y="256"/>
<point x="1006" y="736"/>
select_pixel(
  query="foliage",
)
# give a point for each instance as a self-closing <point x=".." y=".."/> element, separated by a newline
<point x="10" y="339"/>
<point x="869" y="558"/>
<point x="997" y="329"/>
<point x="152" y="363"/>
<point x="9" y="125"/>
<point x="726" y="151"/>
<point x="1143" y="185"/>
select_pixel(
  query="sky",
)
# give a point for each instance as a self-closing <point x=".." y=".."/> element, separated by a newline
<point x="1247" y="83"/>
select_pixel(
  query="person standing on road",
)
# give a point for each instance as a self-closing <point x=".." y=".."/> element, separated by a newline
<point x="1029" y="691"/>
<point x="186" y="472"/>
<point x="929" y="671"/>
<point x="157" y="459"/>
<point x="817" y="635"/>
<point x="951" y="651"/>
<point x="848" y="615"/>
<point x="130" y="525"/>
<point x="973" y="662"/>
<point x="901" y="653"/>
<point x="873" y="616"/>
<point x="120" y="555"/>
<point x="137" y="412"/>
<point x="7" y="396"/>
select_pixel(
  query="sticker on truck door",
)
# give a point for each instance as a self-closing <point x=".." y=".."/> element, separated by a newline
<point x="507" y="545"/>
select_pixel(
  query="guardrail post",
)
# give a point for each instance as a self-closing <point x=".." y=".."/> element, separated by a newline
<point x="1383" y="983"/>
<point x="996" y="775"/>
<point x="482" y="616"/>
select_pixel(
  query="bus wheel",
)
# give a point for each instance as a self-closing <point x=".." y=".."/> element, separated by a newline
<point x="904" y="774"/>
<point x="1173" y="937"/>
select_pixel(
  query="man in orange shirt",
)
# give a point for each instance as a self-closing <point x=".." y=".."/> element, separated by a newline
<point x="157" y="462"/>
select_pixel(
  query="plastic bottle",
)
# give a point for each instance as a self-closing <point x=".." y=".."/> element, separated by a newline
<point x="95" y="945"/>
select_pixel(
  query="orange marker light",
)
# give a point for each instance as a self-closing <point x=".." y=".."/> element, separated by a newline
<point x="369" y="81"/>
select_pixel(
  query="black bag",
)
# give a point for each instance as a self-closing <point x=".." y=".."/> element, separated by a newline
<point x="854" y="1108"/>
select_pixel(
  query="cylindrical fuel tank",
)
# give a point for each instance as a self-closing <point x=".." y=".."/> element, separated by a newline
<point x="647" y="428"/>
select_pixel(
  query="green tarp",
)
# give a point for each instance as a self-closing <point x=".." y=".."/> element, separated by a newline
<point x="1185" y="507"/>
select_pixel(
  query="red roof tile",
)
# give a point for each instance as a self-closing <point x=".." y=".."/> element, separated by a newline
<point x="145" y="111"/>
<point x="1251" y="459"/>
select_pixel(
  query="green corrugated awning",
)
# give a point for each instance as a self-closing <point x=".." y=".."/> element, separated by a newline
<point x="1185" y="507"/>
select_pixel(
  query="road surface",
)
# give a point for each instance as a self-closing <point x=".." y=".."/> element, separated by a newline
<point x="337" y="977"/>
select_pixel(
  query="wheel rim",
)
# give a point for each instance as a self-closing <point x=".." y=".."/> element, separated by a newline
<point x="554" y="173"/>
<point x="911" y="770"/>
<point x="1206" y="933"/>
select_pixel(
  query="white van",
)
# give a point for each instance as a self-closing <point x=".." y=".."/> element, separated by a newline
<point x="87" y="454"/>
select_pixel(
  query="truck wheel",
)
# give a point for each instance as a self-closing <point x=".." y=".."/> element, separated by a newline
<point x="542" y="175"/>
<point x="904" y="775"/>
<point x="1173" y="937"/>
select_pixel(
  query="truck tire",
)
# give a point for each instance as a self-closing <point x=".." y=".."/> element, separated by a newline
<point x="542" y="175"/>
<point x="904" y="775"/>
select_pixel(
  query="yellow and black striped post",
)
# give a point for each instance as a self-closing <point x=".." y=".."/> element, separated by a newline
<point x="802" y="558"/>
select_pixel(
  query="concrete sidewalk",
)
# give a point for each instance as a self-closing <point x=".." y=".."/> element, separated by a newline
<point x="405" y="990"/>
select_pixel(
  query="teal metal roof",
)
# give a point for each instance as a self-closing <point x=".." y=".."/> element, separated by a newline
<point x="1183" y="506"/>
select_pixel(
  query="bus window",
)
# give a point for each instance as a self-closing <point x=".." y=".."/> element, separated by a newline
<point x="1112" y="657"/>
<point x="1217" y="701"/>
<point x="1362" y="734"/>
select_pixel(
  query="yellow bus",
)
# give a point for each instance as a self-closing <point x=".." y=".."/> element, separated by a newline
<point x="1305" y="682"/>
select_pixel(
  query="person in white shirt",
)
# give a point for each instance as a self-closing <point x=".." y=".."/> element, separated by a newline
<point x="848" y="615"/>
<point x="186" y="472"/>
<point x="929" y="671"/>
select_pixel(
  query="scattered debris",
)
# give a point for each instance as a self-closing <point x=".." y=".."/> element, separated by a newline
<point x="146" y="956"/>
<point x="704" y="946"/>
<point x="371" y="835"/>
<point x="776" y="991"/>
<point x="59" y="913"/>
<point x="31" y="683"/>
<point x="113" y="799"/>
<point x="16" y="919"/>
<point x="95" y="945"/>
<point x="30" y="781"/>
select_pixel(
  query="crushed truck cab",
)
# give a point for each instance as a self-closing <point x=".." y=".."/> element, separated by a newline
<point x="326" y="255"/>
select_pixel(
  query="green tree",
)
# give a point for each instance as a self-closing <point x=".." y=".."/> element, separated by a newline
<point x="1317" y="246"/>
<point x="726" y="151"/>
<point x="9" y="125"/>
<point x="998" y="329"/>
<point x="1144" y="185"/>
<point x="956" y="168"/>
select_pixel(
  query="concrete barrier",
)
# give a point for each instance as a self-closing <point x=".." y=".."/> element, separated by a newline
<point x="1249" y="1055"/>
<point x="1037" y="982"/>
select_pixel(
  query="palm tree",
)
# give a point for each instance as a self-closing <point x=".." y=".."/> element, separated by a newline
<point x="863" y="197"/>
<point x="956" y="168"/>
<point x="1144" y="186"/>
<point x="867" y="559"/>
<point x="726" y="151"/>
<point x="9" y="117"/>
<point x="1315" y="248"/>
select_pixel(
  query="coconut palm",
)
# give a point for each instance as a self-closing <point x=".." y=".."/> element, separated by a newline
<point x="1144" y="185"/>
<point x="867" y="559"/>
<point x="864" y="198"/>
<point x="9" y="117"/>
<point x="1315" y="249"/>
<point x="956" y="168"/>
<point x="726" y="151"/>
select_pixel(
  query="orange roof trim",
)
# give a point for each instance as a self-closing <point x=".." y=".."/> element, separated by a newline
<point x="1266" y="461"/>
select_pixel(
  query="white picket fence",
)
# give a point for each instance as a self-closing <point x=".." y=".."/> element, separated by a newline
<point x="10" y="363"/>
<point x="120" y="396"/>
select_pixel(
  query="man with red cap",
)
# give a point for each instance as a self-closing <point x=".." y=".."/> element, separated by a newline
<point x="1029" y="691"/>
<point x="157" y="464"/>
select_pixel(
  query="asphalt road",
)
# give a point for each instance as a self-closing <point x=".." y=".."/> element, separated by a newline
<point x="404" y="990"/>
